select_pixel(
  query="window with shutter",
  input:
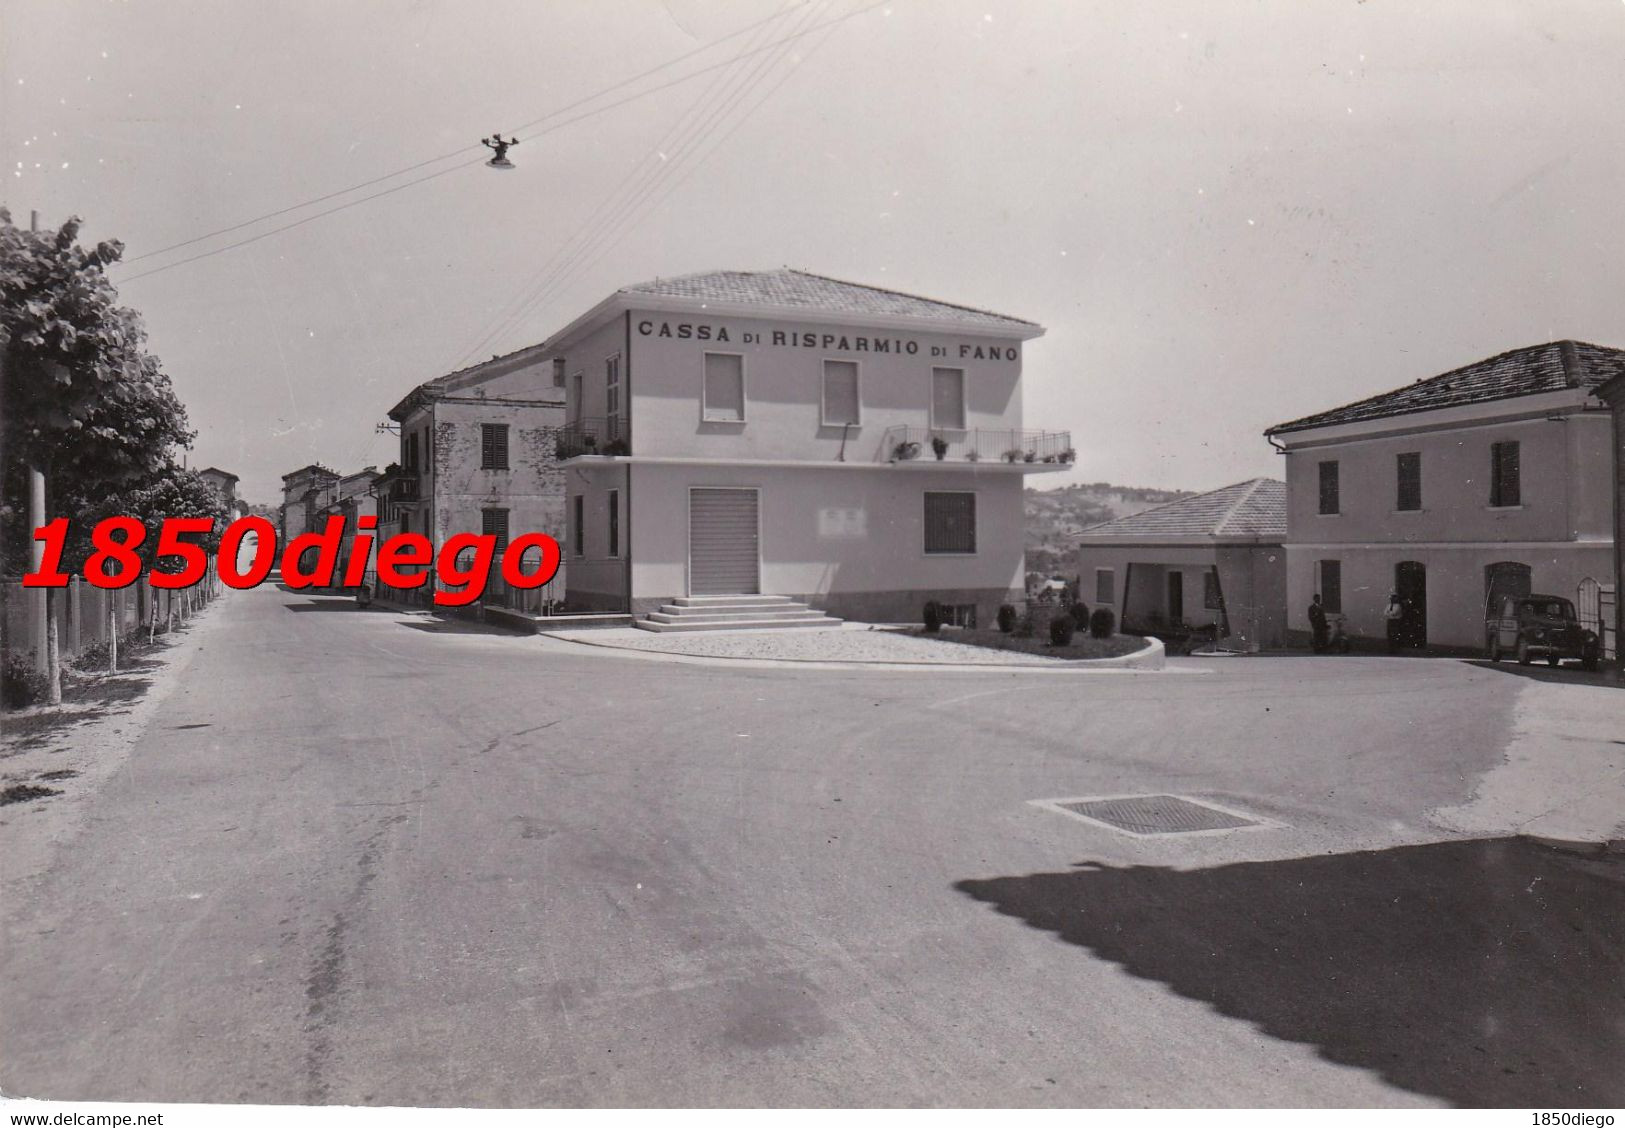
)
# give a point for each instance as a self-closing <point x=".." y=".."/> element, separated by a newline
<point x="1506" y="486"/>
<point x="724" y="393"/>
<point x="950" y="523"/>
<point x="1408" y="468"/>
<point x="841" y="405"/>
<point x="494" y="523"/>
<point x="493" y="446"/>
<point x="1329" y="500"/>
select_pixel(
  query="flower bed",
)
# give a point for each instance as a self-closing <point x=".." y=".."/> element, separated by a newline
<point x="1082" y="645"/>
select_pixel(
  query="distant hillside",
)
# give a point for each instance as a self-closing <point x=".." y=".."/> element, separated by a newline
<point x="1054" y="516"/>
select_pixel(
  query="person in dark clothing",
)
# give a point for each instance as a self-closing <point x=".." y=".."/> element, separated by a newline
<point x="1394" y="618"/>
<point x="1317" y="624"/>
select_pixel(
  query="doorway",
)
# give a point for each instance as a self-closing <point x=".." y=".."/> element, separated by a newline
<point x="1411" y="584"/>
<point x="1176" y="598"/>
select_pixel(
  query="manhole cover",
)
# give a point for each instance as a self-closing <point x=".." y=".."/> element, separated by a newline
<point x="1145" y="815"/>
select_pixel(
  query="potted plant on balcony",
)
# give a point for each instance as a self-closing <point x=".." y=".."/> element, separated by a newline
<point x="905" y="450"/>
<point x="1069" y="455"/>
<point x="1029" y="456"/>
<point x="1013" y="455"/>
<point x="939" y="446"/>
<point x="973" y="455"/>
<point x="617" y="447"/>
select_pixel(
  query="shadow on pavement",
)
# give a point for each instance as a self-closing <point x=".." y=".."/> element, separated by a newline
<point x="1568" y="674"/>
<point x="458" y="626"/>
<point x="1489" y="973"/>
<point x="338" y="603"/>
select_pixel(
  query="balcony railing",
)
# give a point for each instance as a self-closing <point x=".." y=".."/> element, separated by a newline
<point x="594" y="436"/>
<point x="404" y="488"/>
<point x="904" y="444"/>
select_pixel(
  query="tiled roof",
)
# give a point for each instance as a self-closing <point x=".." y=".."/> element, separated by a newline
<point x="799" y="289"/>
<point x="1254" y="508"/>
<point x="1521" y="372"/>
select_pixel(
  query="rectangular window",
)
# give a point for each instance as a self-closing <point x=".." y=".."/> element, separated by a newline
<point x="558" y="372"/>
<point x="412" y="452"/>
<point x="575" y="405"/>
<point x="493" y="446"/>
<point x="950" y="523"/>
<point x="614" y="522"/>
<point x="1105" y="582"/>
<point x="406" y="520"/>
<point x="494" y="523"/>
<point x="1408" y="468"/>
<point x="840" y="393"/>
<point x="1505" y="484"/>
<point x="612" y="394"/>
<point x="724" y="400"/>
<point x="1329" y="583"/>
<point x="578" y="526"/>
<point x="1211" y="599"/>
<point x="1329" y="500"/>
<point x="948" y="399"/>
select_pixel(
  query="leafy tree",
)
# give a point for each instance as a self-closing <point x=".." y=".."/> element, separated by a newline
<point x="170" y="492"/>
<point x="83" y="401"/>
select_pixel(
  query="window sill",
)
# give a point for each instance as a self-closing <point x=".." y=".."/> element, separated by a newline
<point x="1406" y="512"/>
<point x="1503" y="508"/>
<point x="726" y="422"/>
<point x="1329" y="514"/>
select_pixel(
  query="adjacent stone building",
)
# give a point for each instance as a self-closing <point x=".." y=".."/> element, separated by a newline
<point x="478" y="452"/>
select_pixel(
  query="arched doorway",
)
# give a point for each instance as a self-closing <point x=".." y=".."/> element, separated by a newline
<point x="1411" y="584"/>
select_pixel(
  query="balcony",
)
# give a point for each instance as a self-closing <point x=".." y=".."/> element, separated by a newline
<point x="594" y="436"/>
<point x="404" y="488"/>
<point x="1037" y="450"/>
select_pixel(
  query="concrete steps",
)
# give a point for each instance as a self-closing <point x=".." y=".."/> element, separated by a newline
<point x="733" y="613"/>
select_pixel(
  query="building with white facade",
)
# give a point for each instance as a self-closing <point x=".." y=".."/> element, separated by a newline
<point x="782" y="433"/>
<point x="1492" y="477"/>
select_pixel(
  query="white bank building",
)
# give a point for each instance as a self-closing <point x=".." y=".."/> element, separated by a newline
<point x="779" y="433"/>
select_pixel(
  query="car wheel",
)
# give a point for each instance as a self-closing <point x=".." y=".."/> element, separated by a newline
<point x="1589" y="663"/>
<point x="1552" y="660"/>
<point x="1523" y="653"/>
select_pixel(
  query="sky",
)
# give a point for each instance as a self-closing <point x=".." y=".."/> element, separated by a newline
<point x="1227" y="214"/>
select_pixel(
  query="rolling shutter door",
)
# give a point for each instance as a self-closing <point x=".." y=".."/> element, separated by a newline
<point x="722" y="542"/>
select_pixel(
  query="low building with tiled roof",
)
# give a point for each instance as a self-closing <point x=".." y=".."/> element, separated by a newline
<point x="1210" y="562"/>
<point x="1493" y="477"/>
<point x="736" y="435"/>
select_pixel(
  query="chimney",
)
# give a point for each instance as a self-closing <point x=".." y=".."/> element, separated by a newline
<point x="1572" y="374"/>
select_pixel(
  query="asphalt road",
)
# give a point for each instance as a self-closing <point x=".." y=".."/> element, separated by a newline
<point x="370" y="858"/>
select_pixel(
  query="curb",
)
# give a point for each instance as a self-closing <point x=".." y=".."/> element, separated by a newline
<point x="1151" y="659"/>
<point x="1575" y="842"/>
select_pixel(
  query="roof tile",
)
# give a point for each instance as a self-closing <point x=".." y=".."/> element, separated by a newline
<point x="1254" y="508"/>
<point x="799" y="289"/>
<point x="1521" y="372"/>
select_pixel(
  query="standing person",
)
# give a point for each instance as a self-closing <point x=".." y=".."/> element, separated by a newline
<point x="1317" y="624"/>
<point x="1394" y="616"/>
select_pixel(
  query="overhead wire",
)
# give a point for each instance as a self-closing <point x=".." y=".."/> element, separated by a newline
<point x="669" y="63"/>
<point x="704" y="116"/>
<point x="480" y="160"/>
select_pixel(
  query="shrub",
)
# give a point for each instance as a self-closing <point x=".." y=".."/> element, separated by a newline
<point x="1007" y="618"/>
<point x="1102" y="624"/>
<point x="933" y="616"/>
<point x="20" y="684"/>
<point x="92" y="657"/>
<point x="1061" y="629"/>
<point x="1080" y="614"/>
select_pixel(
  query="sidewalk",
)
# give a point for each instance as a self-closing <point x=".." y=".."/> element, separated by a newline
<point x="1563" y="782"/>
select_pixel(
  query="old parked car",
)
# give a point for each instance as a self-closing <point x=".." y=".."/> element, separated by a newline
<point x="1538" y="626"/>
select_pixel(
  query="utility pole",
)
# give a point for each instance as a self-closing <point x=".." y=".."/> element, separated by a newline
<point x="46" y="655"/>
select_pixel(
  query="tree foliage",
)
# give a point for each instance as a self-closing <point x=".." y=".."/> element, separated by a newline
<point x="83" y="401"/>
